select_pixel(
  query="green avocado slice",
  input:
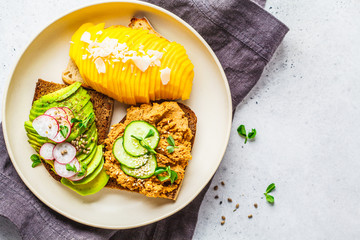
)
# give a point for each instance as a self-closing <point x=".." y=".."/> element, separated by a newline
<point x="91" y="187"/>
<point x="61" y="94"/>
<point x="96" y="160"/>
<point x="91" y="176"/>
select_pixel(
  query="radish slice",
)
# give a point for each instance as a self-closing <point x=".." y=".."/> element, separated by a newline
<point x="46" y="126"/>
<point x="64" y="152"/>
<point x="63" y="122"/>
<point x="46" y="151"/>
<point x="61" y="170"/>
<point x="76" y="178"/>
<point x="56" y="113"/>
<point x="69" y="113"/>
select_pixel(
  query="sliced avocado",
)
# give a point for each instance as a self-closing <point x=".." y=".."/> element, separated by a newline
<point x="29" y="128"/>
<point x="96" y="160"/>
<point x="61" y="94"/>
<point x="35" y="147"/>
<point x="91" y="187"/>
<point x="89" y="157"/>
<point x="78" y="130"/>
<point x="92" y="146"/>
<point x="91" y="176"/>
<point x="37" y="138"/>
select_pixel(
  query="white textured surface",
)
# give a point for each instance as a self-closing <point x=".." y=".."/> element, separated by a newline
<point x="304" y="109"/>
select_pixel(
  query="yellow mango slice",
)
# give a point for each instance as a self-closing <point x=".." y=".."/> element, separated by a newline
<point x="125" y="63"/>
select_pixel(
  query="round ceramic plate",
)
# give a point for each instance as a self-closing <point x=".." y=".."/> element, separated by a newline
<point x="47" y="56"/>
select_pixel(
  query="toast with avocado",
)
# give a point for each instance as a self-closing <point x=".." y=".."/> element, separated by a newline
<point x="169" y="129"/>
<point x="66" y="127"/>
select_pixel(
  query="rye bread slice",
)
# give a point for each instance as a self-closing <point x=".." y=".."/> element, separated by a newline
<point x="192" y="121"/>
<point x="103" y="108"/>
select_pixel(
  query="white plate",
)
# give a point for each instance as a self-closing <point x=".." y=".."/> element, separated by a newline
<point x="46" y="57"/>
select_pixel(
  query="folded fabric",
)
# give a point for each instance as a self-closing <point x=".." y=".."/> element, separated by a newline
<point x="244" y="38"/>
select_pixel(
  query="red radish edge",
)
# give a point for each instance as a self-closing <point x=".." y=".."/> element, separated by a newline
<point x="43" y="148"/>
<point x="67" y="111"/>
<point x="62" y="139"/>
<point x="58" y="126"/>
<point x="57" y="158"/>
<point x="61" y="170"/>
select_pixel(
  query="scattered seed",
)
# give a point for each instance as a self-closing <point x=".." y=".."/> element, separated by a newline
<point x="237" y="205"/>
<point x="223" y="217"/>
<point x="222" y="183"/>
<point x="50" y="126"/>
<point x="220" y="202"/>
<point x="255" y="205"/>
<point x="216" y="188"/>
<point x="250" y="216"/>
<point x="222" y="222"/>
<point x="216" y="197"/>
<point x="229" y="200"/>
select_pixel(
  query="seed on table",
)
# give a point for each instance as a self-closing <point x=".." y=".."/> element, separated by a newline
<point x="250" y="216"/>
<point x="237" y="205"/>
<point x="255" y="205"/>
<point x="222" y="183"/>
<point x="222" y="222"/>
<point x="229" y="200"/>
<point x="216" y="188"/>
<point x="216" y="197"/>
<point x="220" y="202"/>
<point x="223" y="217"/>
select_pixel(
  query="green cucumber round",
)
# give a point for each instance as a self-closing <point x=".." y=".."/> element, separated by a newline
<point x="139" y="129"/>
<point x="126" y="159"/>
<point x="144" y="171"/>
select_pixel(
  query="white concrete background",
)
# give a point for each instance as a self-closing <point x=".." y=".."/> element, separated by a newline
<point x="304" y="108"/>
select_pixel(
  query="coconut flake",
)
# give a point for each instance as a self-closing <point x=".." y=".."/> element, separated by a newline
<point x="99" y="32"/>
<point x="165" y="75"/>
<point x="100" y="65"/>
<point x="142" y="63"/>
<point x="85" y="37"/>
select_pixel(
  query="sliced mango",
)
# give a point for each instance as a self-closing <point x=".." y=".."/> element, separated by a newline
<point x="120" y="68"/>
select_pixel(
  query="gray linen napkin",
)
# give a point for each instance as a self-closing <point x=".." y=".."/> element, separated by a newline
<point x="243" y="36"/>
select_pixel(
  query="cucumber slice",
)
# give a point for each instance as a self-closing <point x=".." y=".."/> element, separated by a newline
<point x="126" y="159"/>
<point x="139" y="129"/>
<point x="144" y="171"/>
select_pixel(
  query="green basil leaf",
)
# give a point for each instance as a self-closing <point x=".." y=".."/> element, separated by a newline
<point x="35" y="159"/>
<point x="88" y="119"/>
<point x="75" y="120"/>
<point x="71" y="168"/>
<point x="150" y="133"/>
<point x="171" y="141"/>
<point x="163" y="178"/>
<point x="159" y="170"/>
<point x="137" y="138"/>
<point x="147" y="147"/>
<point x="270" y="198"/>
<point x="173" y="176"/>
<point x="252" y="134"/>
<point x="64" y="130"/>
<point x="270" y="188"/>
<point x="241" y="130"/>
<point x="170" y="149"/>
